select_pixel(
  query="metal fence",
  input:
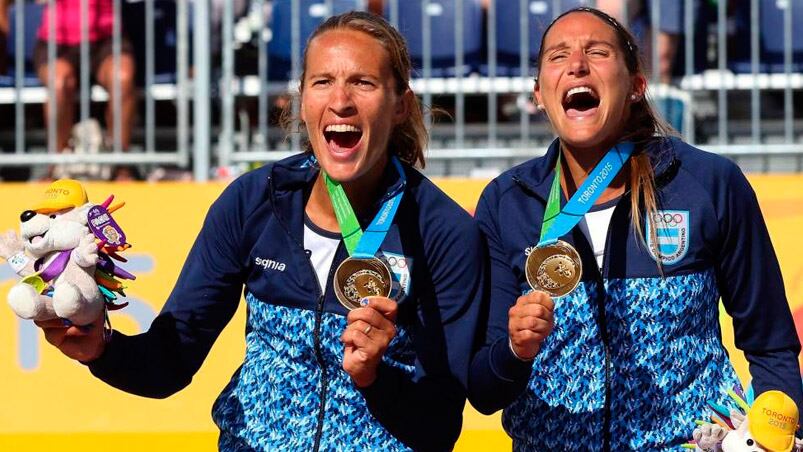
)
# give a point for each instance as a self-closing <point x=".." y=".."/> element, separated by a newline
<point x="470" y="59"/>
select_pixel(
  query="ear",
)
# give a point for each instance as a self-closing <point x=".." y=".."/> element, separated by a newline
<point x="403" y="106"/>
<point x="639" y="85"/>
<point x="537" y="94"/>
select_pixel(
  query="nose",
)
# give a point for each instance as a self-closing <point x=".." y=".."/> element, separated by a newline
<point x="27" y="215"/>
<point x="578" y="65"/>
<point x="341" y="103"/>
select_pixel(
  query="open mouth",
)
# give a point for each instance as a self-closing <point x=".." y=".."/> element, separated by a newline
<point x="342" y="137"/>
<point x="580" y="100"/>
<point x="36" y="239"/>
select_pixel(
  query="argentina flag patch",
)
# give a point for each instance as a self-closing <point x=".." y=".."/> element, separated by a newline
<point x="671" y="234"/>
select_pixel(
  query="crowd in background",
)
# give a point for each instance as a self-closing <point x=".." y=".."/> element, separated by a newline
<point x="636" y="13"/>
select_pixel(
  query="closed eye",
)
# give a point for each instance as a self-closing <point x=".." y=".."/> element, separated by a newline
<point x="364" y="83"/>
<point x="557" y="57"/>
<point x="598" y="52"/>
<point x="320" y="82"/>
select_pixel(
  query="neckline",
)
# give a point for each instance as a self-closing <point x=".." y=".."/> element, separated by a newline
<point x="319" y="230"/>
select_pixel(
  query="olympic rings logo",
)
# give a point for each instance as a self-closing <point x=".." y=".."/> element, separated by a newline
<point x="668" y="219"/>
<point x="393" y="261"/>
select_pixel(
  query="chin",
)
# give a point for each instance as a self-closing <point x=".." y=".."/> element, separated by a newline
<point x="581" y="141"/>
<point x="342" y="171"/>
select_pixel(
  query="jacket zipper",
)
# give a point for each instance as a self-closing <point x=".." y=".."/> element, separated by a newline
<point x="316" y="331"/>
<point x="603" y="328"/>
<point x="606" y="412"/>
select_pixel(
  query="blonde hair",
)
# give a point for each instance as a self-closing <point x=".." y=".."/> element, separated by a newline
<point x="643" y="127"/>
<point x="409" y="139"/>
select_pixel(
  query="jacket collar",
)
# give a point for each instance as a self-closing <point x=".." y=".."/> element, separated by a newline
<point x="537" y="174"/>
<point x="290" y="180"/>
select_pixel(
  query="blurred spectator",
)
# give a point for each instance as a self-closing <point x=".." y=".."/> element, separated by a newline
<point x="67" y="70"/>
<point x="639" y="18"/>
<point x="375" y="6"/>
<point x="4" y="6"/>
<point x="239" y="8"/>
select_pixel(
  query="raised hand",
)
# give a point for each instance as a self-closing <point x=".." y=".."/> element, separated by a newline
<point x="370" y="329"/>
<point x="530" y="321"/>
<point x="83" y="343"/>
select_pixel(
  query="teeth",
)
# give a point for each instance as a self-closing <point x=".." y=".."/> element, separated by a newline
<point x="342" y="128"/>
<point x="579" y="89"/>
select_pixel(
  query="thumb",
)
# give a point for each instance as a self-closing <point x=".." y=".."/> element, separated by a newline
<point x="383" y="305"/>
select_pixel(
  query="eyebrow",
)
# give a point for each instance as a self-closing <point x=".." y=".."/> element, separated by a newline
<point x="593" y="42"/>
<point x="351" y="76"/>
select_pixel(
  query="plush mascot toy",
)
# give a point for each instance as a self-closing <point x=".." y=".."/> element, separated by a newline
<point x="768" y="424"/>
<point x="64" y="255"/>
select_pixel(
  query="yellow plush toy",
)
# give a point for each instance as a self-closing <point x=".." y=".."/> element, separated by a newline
<point x="768" y="425"/>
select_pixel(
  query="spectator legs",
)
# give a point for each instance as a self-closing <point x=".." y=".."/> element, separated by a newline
<point x="128" y="99"/>
<point x="65" y="90"/>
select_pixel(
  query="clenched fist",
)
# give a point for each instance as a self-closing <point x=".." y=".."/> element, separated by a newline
<point x="368" y="334"/>
<point x="530" y="321"/>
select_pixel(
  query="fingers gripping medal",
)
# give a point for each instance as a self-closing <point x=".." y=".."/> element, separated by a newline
<point x="362" y="274"/>
<point x="554" y="266"/>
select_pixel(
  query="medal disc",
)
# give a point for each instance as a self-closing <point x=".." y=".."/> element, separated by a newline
<point x="555" y="269"/>
<point x="358" y="278"/>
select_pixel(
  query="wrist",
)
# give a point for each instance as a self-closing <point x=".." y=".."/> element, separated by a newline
<point x="364" y="379"/>
<point x="519" y="356"/>
<point x="97" y="353"/>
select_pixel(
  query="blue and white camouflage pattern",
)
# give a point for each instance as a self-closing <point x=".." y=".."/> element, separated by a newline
<point x="275" y="394"/>
<point x="666" y="361"/>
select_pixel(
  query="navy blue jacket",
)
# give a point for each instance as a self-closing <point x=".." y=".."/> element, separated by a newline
<point x="636" y="350"/>
<point x="291" y="392"/>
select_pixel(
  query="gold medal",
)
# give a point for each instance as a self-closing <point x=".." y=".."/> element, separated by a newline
<point x="555" y="269"/>
<point x="358" y="278"/>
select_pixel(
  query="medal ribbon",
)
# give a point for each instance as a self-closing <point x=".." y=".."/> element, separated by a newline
<point x="361" y="244"/>
<point x="558" y="222"/>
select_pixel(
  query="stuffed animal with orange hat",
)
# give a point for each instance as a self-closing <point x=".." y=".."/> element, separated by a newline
<point x="767" y="424"/>
<point x="65" y="256"/>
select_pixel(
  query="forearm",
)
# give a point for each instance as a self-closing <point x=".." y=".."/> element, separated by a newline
<point x="497" y="377"/>
<point x="779" y="370"/>
<point x="163" y="360"/>
<point x="424" y="414"/>
<point x="148" y="364"/>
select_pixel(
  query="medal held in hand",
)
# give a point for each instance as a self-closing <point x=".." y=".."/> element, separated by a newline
<point x="362" y="274"/>
<point x="358" y="278"/>
<point x="554" y="266"/>
<point x="555" y="269"/>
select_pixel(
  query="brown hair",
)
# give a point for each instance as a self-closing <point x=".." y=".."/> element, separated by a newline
<point x="409" y="139"/>
<point x="644" y="127"/>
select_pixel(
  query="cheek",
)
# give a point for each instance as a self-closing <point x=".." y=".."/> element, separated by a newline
<point x="309" y="108"/>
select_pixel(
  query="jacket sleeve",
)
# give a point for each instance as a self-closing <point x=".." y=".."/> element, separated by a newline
<point x="497" y="377"/>
<point x="752" y="289"/>
<point x="163" y="360"/>
<point x="425" y="410"/>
